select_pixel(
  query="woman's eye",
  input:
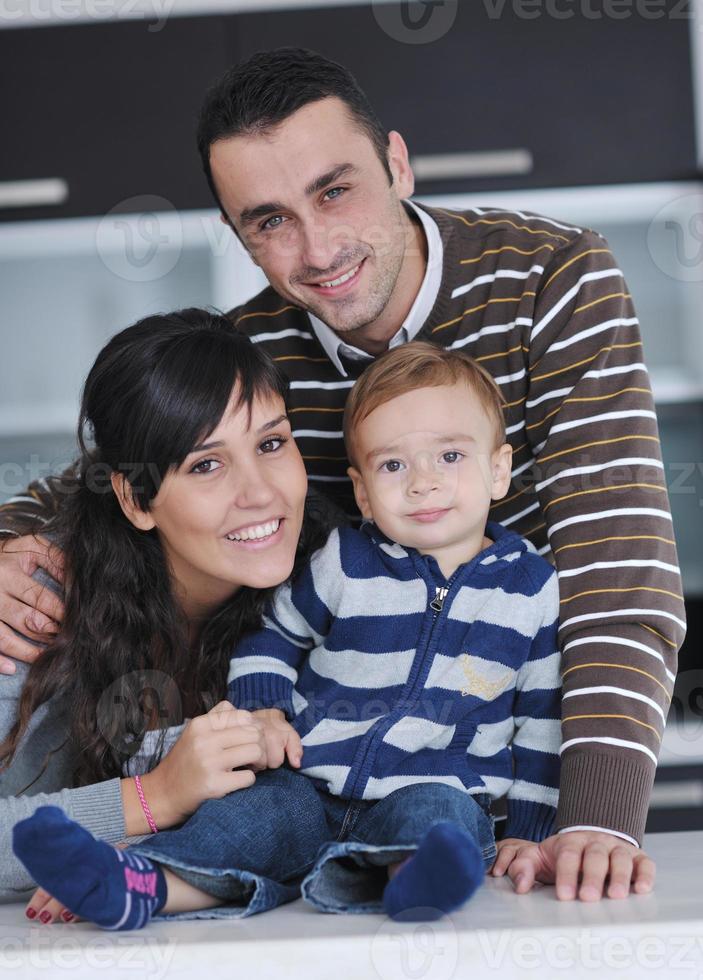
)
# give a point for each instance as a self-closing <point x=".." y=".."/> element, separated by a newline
<point x="271" y="445"/>
<point x="205" y="466"/>
<point x="451" y="456"/>
<point x="392" y="466"/>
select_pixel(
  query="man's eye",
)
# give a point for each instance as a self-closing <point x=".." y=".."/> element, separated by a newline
<point x="268" y="224"/>
<point x="392" y="465"/>
<point x="452" y="456"/>
<point x="205" y="466"/>
<point x="272" y="445"/>
<point x="336" y="191"/>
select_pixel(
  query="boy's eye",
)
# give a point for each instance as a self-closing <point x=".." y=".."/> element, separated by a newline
<point x="392" y="465"/>
<point x="273" y="444"/>
<point x="451" y="456"/>
<point x="204" y="466"/>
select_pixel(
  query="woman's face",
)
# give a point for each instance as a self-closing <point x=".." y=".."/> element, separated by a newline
<point x="231" y="514"/>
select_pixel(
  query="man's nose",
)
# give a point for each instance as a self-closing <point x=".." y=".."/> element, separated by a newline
<point x="319" y="246"/>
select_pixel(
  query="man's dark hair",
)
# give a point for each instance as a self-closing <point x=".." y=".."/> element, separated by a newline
<point x="269" y="87"/>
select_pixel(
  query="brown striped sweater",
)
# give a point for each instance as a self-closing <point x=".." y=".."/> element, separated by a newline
<point x="545" y="308"/>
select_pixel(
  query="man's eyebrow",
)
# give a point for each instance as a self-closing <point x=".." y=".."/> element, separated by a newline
<point x="250" y="215"/>
<point x="264" y="428"/>
<point x="336" y="173"/>
<point x="442" y="441"/>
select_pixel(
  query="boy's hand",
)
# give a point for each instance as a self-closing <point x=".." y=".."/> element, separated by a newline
<point x="281" y="738"/>
<point x="578" y="863"/>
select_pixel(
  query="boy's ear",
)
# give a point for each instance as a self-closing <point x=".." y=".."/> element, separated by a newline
<point x="142" y="520"/>
<point x="501" y="468"/>
<point x="362" y="500"/>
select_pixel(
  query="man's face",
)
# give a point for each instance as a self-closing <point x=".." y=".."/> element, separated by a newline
<point x="427" y="471"/>
<point x="311" y="201"/>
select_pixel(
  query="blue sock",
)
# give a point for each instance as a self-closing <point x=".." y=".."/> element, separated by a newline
<point x="442" y="874"/>
<point x="94" y="880"/>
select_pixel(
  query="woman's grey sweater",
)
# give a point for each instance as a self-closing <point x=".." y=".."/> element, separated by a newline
<point x="39" y="774"/>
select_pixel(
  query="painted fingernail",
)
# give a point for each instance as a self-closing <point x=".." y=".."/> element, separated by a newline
<point x="30" y="913"/>
<point x="45" y="916"/>
<point x="66" y="915"/>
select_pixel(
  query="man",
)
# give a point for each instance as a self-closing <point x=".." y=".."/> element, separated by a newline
<point x="319" y="193"/>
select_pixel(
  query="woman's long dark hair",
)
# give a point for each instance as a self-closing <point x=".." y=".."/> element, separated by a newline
<point x="156" y="390"/>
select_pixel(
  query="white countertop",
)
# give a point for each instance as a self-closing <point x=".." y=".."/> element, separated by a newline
<point x="497" y="934"/>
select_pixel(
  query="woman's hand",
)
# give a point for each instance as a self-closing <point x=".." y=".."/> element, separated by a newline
<point x="200" y="765"/>
<point x="281" y="738"/>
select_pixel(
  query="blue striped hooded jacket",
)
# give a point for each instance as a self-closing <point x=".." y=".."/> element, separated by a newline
<point x="392" y="674"/>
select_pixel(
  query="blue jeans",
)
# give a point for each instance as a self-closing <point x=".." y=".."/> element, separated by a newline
<point x="281" y="838"/>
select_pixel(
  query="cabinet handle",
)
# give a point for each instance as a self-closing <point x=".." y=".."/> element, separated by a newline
<point x="32" y="193"/>
<point x="488" y="163"/>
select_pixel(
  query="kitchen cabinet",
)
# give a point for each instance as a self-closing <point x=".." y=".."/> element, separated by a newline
<point x="102" y="113"/>
<point x="511" y="96"/>
<point x="106" y="112"/>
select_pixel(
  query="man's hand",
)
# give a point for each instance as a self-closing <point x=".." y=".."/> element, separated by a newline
<point x="25" y="605"/>
<point x="281" y="738"/>
<point x="579" y="863"/>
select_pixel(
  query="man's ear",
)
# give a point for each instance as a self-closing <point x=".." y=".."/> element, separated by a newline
<point x="362" y="500"/>
<point x="142" y="520"/>
<point x="501" y="466"/>
<point x="399" y="162"/>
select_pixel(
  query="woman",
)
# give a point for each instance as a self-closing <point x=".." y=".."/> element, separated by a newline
<point x="189" y="509"/>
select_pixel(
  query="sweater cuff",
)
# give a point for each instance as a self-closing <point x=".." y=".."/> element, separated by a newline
<point x="254" y="691"/>
<point x="604" y="790"/>
<point x="99" y="809"/>
<point x="529" y="821"/>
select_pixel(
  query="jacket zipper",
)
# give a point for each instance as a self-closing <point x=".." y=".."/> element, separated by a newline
<point x="436" y="604"/>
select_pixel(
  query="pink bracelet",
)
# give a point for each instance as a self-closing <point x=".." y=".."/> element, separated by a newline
<point x="145" y="806"/>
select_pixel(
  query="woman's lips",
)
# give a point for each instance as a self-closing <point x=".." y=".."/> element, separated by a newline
<point x="344" y="287"/>
<point x="256" y="544"/>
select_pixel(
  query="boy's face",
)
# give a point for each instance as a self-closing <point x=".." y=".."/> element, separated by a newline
<point x="427" y="470"/>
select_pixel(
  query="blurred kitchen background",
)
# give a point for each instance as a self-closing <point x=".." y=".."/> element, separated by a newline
<point x="589" y="111"/>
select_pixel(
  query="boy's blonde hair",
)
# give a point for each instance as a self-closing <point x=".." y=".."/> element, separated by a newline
<point x="419" y="364"/>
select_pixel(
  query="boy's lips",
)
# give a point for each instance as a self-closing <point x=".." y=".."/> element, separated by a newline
<point x="429" y="516"/>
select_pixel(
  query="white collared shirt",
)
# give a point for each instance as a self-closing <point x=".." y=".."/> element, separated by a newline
<point x="419" y="311"/>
